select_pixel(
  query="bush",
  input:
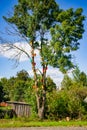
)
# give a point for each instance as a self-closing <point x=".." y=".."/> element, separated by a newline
<point x="66" y="103"/>
<point x="7" y="113"/>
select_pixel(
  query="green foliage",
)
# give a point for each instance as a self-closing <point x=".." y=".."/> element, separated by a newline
<point x="22" y="75"/>
<point x="32" y="16"/>
<point x="15" y="87"/>
<point x="64" y="38"/>
<point x="20" y="88"/>
<point x="66" y="82"/>
<point x="29" y="96"/>
<point x="1" y="92"/>
<point x="5" y="85"/>
<point x="79" y="77"/>
<point x="67" y="103"/>
<point x="83" y="79"/>
<point x="78" y="87"/>
<point x="50" y="86"/>
<point x="76" y="73"/>
<point x="18" y="92"/>
<point x="6" y="112"/>
<point x="65" y="28"/>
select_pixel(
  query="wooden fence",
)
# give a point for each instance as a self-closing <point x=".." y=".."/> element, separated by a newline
<point x="21" y="109"/>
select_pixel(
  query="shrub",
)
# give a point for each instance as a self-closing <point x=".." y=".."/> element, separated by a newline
<point x="7" y="113"/>
<point x="66" y="103"/>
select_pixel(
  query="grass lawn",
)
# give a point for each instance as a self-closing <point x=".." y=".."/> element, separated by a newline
<point x="46" y="123"/>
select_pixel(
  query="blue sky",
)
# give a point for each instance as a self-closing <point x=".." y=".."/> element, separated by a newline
<point x="6" y="66"/>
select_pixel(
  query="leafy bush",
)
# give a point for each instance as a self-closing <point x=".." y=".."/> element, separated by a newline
<point x="67" y="103"/>
<point x="7" y="113"/>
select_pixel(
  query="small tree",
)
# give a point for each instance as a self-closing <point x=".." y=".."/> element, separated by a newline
<point x="22" y="75"/>
<point x="79" y="77"/>
<point x="67" y="82"/>
<point x="45" y="26"/>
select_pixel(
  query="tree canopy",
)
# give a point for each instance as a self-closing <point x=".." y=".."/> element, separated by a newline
<point x="36" y="19"/>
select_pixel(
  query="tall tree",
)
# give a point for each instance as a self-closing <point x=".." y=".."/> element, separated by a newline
<point x="45" y="25"/>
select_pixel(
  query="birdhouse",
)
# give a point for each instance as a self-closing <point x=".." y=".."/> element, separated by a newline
<point x="30" y="60"/>
<point x="46" y="68"/>
<point x="34" y="87"/>
<point x="34" y="54"/>
<point x="42" y="80"/>
<point x="67" y="118"/>
<point x="34" y="63"/>
<point x="42" y="87"/>
<point x="30" y="42"/>
<point x="42" y="58"/>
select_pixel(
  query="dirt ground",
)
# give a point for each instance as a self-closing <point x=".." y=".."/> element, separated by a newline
<point x="46" y="128"/>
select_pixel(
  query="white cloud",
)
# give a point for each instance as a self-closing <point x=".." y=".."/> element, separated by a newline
<point x="54" y="73"/>
<point x="10" y="53"/>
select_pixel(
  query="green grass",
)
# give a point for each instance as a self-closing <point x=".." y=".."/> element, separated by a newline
<point x="26" y="123"/>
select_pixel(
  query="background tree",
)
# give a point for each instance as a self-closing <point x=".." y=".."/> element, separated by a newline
<point x="50" y="84"/>
<point x="68" y="101"/>
<point x="66" y="82"/>
<point x="39" y="20"/>
<point x="83" y="79"/>
<point x="6" y="88"/>
<point x="1" y="92"/>
<point x="15" y="87"/>
<point x="22" y="75"/>
<point x="79" y="77"/>
<point x="20" y="85"/>
<point x="76" y="73"/>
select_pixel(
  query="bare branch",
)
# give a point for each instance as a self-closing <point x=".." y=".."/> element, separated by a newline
<point x="39" y="71"/>
<point x="6" y="47"/>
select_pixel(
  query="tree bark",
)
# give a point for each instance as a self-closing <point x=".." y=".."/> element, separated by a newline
<point x="41" y="99"/>
<point x="41" y="104"/>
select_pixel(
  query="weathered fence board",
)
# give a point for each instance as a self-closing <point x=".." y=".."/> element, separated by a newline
<point x="20" y="108"/>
